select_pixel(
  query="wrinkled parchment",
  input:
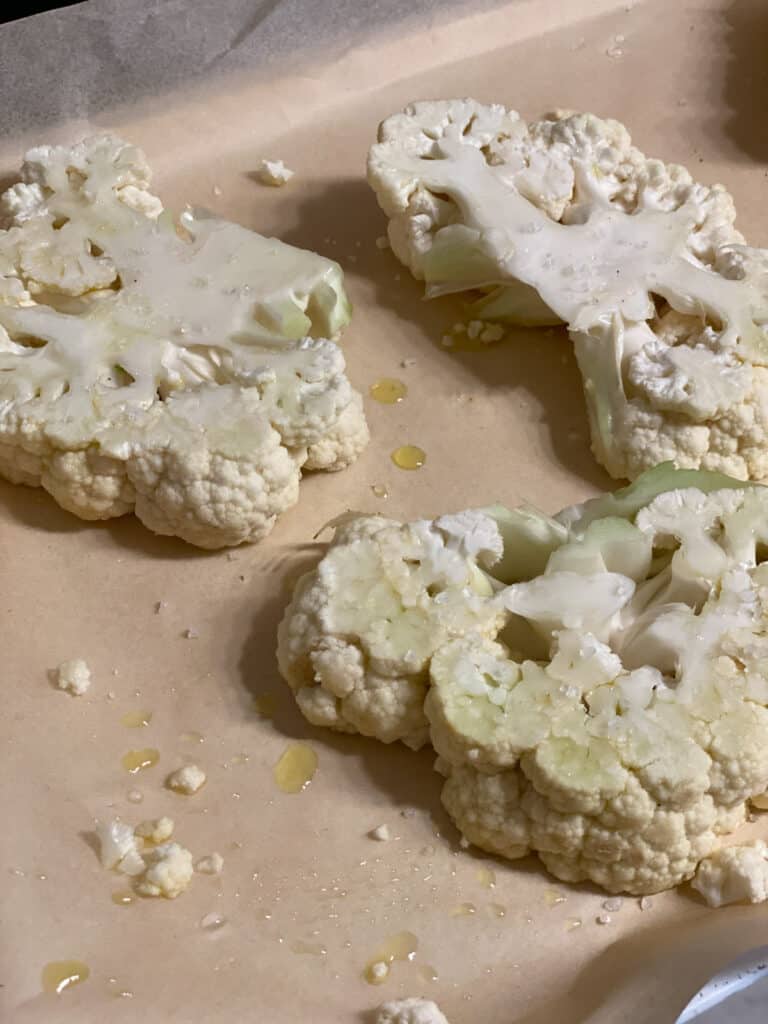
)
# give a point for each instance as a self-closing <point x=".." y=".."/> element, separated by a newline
<point x="198" y="87"/>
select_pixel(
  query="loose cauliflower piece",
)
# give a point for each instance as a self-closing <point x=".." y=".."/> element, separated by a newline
<point x="156" y="831"/>
<point x="564" y="220"/>
<point x="412" y="1010"/>
<point x="356" y="641"/>
<point x="605" y="704"/>
<point x="74" y="676"/>
<point x="178" y="369"/>
<point x="735" y="874"/>
<point x="169" y="871"/>
<point x="186" y="780"/>
<point x="118" y="847"/>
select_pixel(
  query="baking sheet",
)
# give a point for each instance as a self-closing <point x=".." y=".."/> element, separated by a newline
<point x="507" y="423"/>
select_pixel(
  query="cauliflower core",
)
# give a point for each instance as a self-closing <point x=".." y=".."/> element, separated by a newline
<point x="564" y="220"/>
<point x="594" y="684"/>
<point x="176" y="369"/>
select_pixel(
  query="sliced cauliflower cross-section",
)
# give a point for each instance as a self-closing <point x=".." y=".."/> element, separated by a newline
<point x="602" y="699"/>
<point x="356" y="641"/>
<point x="564" y="220"/>
<point x="179" y="369"/>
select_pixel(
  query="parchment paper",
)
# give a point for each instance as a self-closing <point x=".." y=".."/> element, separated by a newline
<point x="506" y="423"/>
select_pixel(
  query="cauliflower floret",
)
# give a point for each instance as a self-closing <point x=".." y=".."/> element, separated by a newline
<point x="157" y="831"/>
<point x="274" y="172"/>
<point x="607" y="710"/>
<point x="356" y="640"/>
<point x="186" y="780"/>
<point x="161" y="367"/>
<point x="412" y="1010"/>
<point x="563" y="220"/>
<point x="734" y="874"/>
<point x="74" y="676"/>
<point x="169" y="871"/>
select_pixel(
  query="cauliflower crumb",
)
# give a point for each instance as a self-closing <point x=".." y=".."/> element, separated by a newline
<point x="210" y="865"/>
<point x="74" y="677"/>
<point x="491" y="333"/>
<point x="274" y="172"/>
<point x="190" y="634"/>
<point x="169" y="871"/>
<point x="159" y="605"/>
<point x="381" y="832"/>
<point x="118" y="848"/>
<point x="645" y="902"/>
<point x="447" y="341"/>
<point x="475" y="328"/>
<point x="603" y="919"/>
<point x="157" y="831"/>
<point x="459" y="327"/>
<point x="382" y="242"/>
<point x="613" y="904"/>
<point x="413" y="1010"/>
<point x="187" y="779"/>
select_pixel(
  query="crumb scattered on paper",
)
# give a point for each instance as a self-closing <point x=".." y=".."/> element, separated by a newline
<point x="74" y="677"/>
<point x="187" y="779"/>
<point x="274" y="172"/>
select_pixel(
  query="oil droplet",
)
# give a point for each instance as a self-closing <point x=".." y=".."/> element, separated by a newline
<point x="408" y="456"/>
<point x="498" y="909"/>
<point x="265" y="705"/>
<point x="388" y="390"/>
<point x="213" y="922"/>
<point x="136" y="719"/>
<point x="553" y="896"/>
<point x="572" y="924"/>
<point x="192" y="737"/>
<point x="123" y="897"/>
<point x="296" y="767"/>
<point x="487" y="878"/>
<point x="401" y="946"/>
<point x="380" y="491"/>
<point x="135" y="760"/>
<point x="310" y="948"/>
<point x="61" y="974"/>
<point x="427" y="973"/>
<point x="463" y="910"/>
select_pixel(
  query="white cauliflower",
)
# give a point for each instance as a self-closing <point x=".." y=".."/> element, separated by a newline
<point x="564" y="220"/>
<point x="734" y="874"/>
<point x="158" y="830"/>
<point x="169" y="871"/>
<point x="357" y="638"/>
<point x="175" y="369"/>
<point x="187" y="779"/>
<point x="160" y="869"/>
<point x="74" y="676"/>
<point x="608" y="709"/>
<point x="412" y="1010"/>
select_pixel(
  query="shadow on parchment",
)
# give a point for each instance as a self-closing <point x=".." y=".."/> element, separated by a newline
<point x="36" y="509"/>
<point x="539" y="362"/>
<point x="746" y="77"/>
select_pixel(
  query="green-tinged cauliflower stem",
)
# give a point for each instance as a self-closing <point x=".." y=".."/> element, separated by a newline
<point x="606" y="710"/>
<point x="178" y="369"/>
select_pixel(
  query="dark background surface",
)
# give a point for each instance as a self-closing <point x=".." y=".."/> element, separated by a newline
<point x="16" y="11"/>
